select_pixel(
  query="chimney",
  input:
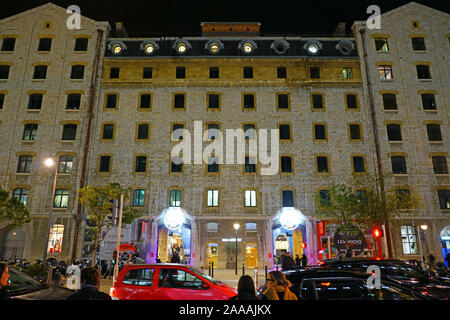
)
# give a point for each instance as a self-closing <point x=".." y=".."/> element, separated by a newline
<point x="340" y="30"/>
<point x="120" y="30"/>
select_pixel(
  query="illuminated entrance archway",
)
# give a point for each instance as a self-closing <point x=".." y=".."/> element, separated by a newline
<point x="174" y="235"/>
<point x="288" y="232"/>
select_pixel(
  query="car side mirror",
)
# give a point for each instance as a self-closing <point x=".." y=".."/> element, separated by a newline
<point x="205" y="286"/>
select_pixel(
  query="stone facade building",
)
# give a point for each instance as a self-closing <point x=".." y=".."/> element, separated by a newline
<point x="313" y="92"/>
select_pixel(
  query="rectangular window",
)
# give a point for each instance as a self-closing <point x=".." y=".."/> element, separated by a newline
<point x="322" y="164"/>
<point x="286" y="164"/>
<point x="314" y="72"/>
<point x="61" y="198"/>
<point x="428" y="101"/>
<point x="398" y="165"/>
<point x="213" y="101"/>
<point x="177" y="131"/>
<point x="281" y="73"/>
<point x="283" y="101"/>
<point x="320" y="132"/>
<point x="347" y="73"/>
<point x="444" y="199"/>
<point x="77" y="72"/>
<point x="21" y="194"/>
<point x="250" y="164"/>
<point x="65" y="164"/>
<point x="147" y="73"/>
<point x="358" y="164"/>
<point x="213" y="198"/>
<point x="355" y="132"/>
<point x="111" y="101"/>
<point x="30" y="131"/>
<point x="8" y="44"/>
<point x="35" y="101"/>
<point x="317" y="101"/>
<point x="24" y="164"/>
<point x="214" y="72"/>
<point x="40" y="72"/>
<point x="394" y="132"/>
<point x="108" y="131"/>
<point x="143" y="131"/>
<point x="213" y="164"/>
<point x="175" y="198"/>
<point x="324" y="196"/>
<point x="352" y="101"/>
<point x="73" y="101"/>
<point x="249" y="101"/>
<point x="114" y="73"/>
<point x="381" y="44"/>
<point x="105" y="164"/>
<point x="288" y="198"/>
<point x="434" y="132"/>
<point x="248" y="72"/>
<point x="176" y="164"/>
<point x="385" y="72"/>
<point x="146" y="100"/>
<point x="139" y="277"/>
<point x="178" y="101"/>
<point x="69" y="132"/>
<point x="45" y="44"/>
<point x="4" y="72"/>
<point x="249" y="131"/>
<point x="55" y="239"/>
<point x="389" y="101"/>
<point x="440" y="165"/>
<point x="138" y="198"/>
<point x="250" y="198"/>
<point x="423" y="71"/>
<point x="285" y="131"/>
<point x="180" y="72"/>
<point x="409" y="240"/>
<point x="418" y="43"/>
<point x="140" y="164"/>
<point x="81" y="44"/>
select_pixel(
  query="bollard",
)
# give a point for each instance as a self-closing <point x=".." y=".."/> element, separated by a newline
<point x="212" y="269"/>
<point x="243" y="268"/>
<point x="209" y="269"/>
<point x="265" y="272"/>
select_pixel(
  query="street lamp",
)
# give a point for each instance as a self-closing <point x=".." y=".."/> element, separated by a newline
<point x="424" y="228"/>
<point x="49" y="162"/>
<point x="236" y="228"/>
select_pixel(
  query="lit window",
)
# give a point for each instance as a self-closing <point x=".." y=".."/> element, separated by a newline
<point x="138" y="197"/>
<point x="61" y="198"/>
<point x="55" y="240"/>
<point x="250" y="198"/>
<point x="65" y="164"/>
<point x="24" y="164"/>
<point x="385" y="72"/>
<point x="30" y="131"/>
<point x="21" y="194"/>
<point x="381" y="44"/>
<point x="409" y="240"/>
<point x="213" y="198"/>
<point x="347" y="73"/>
<point x="287" y="198"/>
<point x="175" y="198"/>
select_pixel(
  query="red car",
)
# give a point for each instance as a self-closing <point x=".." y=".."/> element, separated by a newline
<point x="167" y="281"/>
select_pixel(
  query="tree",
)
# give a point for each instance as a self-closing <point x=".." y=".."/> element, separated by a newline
<point x="99" y="204"/>
<point x="13" y="213"/>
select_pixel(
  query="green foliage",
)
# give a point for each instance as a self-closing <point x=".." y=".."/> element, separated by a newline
<point x="13" y="213"/>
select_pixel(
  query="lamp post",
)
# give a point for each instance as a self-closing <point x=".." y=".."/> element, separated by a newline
<point x="236" y="228"/>
<point x="49" y="162"/>
<point x="424" y="228"/>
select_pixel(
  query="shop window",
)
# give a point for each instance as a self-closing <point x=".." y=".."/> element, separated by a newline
<point x="287" y="198"/>
<point x="61" y="198"/>
<point x="24" y="164"/>
<point x="250" y="198"/>
<point x="409" y="240"/>
<point x="394" y="132"/>
<point x="440" y="165"/>
<point x="175" y="198"/>
<point x="213" y="198"/>
<point x="65" y="164"/>
<point x="138" y="197"/>
<point x="73" y="101"/>
<point x="55" y="240"/>
<point x="21" y="194"/>
<point x="30" y="131"/>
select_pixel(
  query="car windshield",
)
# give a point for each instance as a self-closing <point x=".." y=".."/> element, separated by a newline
<point x="20" y="282"/>
<point x="402" y="271"/>
<point x="204" y="275"/>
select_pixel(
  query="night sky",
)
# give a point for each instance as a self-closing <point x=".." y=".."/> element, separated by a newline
<point x="182" y="18"/>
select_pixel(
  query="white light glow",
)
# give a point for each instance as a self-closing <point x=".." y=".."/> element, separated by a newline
<point x="313" y="48"/>
<point x="117" y="48"/>
<point x="424" y="227"/>
<point x="49" y="162"/>
<point x="236" y="226"/>
<point x="214" y="48"/>
<point x="248" y="47"/>
<point x="149" y="48"/>
<point x="174" y="218"/>
<point x="181" y="48"/>
<point x="291" y="218"/>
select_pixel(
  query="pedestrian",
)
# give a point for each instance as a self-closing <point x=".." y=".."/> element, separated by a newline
<point x="90" y="283"/>
<point x="73" y="276"/>
<point x="349" y="253"/>
<point x="246" y="289"/>
<point x="304" y="261"/>
<point x="4" y="280"/>
<point x="278" y="287"/>
<point x="104" y="268"/>
<point x="175" y="258"/>
<point x="298" y="261"/>
<point x="289" y="263"/>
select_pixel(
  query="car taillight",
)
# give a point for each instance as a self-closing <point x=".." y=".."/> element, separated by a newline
<point x="112" y="292"/>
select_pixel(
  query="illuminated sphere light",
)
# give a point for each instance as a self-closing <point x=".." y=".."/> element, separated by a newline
<point x="174" y="218"/>
<point x="117" y="48"/>
<point x="290" y="218"/>
<point x="181" y="48"/>
<point x="248" y="48"/>
<point x="149" y="48"/>
<point x="214" y="48"/>
<point x="313" y="48"/>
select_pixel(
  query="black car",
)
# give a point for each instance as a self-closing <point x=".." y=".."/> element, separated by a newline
<point x="326" y="284"/>
<point x="24" y="287"/>
<point x="397" y="271"/>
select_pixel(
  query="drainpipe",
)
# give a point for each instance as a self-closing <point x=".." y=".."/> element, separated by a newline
<point x="376" y="138"/>
<point x="88" y="135"/>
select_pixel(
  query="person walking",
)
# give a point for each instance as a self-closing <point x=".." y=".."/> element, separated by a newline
<point x="304" y="261"/>
<point x="298" y="261"/>
<point x="246" y="289"/>
<point x="73" y="276"/>
<point x="4" y="280"/>
<point x="278" y="287"/>
<point x="175" y="258"/>
<point x="90" y="283"/>
<point x="289" y="263"/>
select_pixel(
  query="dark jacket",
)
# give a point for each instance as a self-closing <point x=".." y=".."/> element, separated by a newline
<point x="3" y="294"/>
<point x="89" y="293"/>
<point x="244" y="296"/>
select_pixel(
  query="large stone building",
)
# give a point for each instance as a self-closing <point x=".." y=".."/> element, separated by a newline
<point x="314" y="91"/>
